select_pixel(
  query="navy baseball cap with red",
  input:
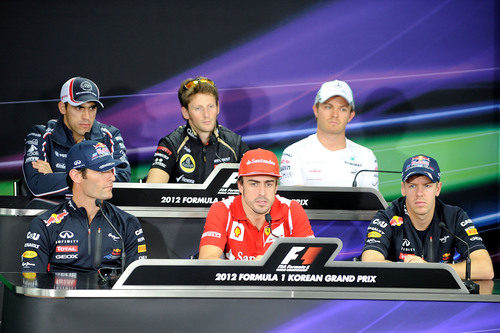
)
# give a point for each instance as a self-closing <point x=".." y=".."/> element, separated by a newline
<point x="421" y="165"/>
<point x="90" y="154"/>
<point x="79" y="90"/>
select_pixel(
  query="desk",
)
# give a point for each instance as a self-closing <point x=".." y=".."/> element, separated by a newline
<point x="282" y="291"/>
<point x="89" y="307"/>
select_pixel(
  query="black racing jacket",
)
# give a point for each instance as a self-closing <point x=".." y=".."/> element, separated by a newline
<point x="52" y="142"/>
<point x="61" y="239"/>
<point x="392" y="234"/>
<point x="186" y="159"/>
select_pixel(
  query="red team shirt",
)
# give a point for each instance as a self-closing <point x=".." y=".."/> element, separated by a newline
<point x="228" y="228"/>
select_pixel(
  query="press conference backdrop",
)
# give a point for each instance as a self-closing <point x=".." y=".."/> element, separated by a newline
<point x="425" y="77"/>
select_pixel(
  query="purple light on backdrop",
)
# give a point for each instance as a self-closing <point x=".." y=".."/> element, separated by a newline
<point x="395" y="316"/>
<point x="268" y="84"/>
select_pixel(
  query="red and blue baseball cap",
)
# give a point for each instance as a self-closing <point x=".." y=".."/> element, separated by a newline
<point x="90" y="154"/>
<point x="79" y="90"/>
<point x="421" y="165"/>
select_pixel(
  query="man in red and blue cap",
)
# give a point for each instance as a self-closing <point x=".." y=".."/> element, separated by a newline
<point x="46" y="146"/>
<point x="418" y="227"/>
<point x="85" y="233"/>
<point x="243" y="227"/>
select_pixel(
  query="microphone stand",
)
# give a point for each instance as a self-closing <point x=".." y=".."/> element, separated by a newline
<point x="123" y="255"/>
<point x="471" y="286"/>
<point x="355" y="184"/>
<point x="268" y="220"/>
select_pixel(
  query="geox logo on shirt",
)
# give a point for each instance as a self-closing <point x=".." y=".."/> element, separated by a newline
<point x="299" y="259"/>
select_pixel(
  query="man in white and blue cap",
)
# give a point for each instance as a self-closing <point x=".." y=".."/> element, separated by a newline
<point x="418" y="227"/>
<point x="85" y="233"/>
<point x="46" y="146"/>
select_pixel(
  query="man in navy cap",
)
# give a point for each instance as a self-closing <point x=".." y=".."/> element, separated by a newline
<point x="46" y="146"/>
<point x="85" y="233"/>
<point x="417" y="227"/>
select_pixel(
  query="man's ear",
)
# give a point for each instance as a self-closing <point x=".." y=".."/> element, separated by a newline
<point x="185" y="113"/>
<point x="76" y="176"/>
<point x="353" y="113"/>
<point x="438" y="188"/>
<point x="62" y="107"/>
<point x="315" y="109"/>
<point x="240" y="186"/>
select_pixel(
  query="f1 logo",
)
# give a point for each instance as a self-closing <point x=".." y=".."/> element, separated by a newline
<point x="231" y="180"/>
<point x="307" y="258"/>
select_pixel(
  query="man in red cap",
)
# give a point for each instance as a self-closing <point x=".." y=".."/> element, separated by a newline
<point x="243" y="227"/>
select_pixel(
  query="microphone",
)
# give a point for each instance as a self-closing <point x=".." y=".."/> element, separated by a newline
<point x="98" y="249"/>
<point x="98" y="203"/>
<point x="430" y="252"/>
<point x="268" y="220"/>
<point x="355" y="184"/>
<point x="471" y="285"/>
<point x="86" y="135"/>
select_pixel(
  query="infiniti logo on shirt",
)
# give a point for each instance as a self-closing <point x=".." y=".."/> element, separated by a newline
<point x="66" y="234"/>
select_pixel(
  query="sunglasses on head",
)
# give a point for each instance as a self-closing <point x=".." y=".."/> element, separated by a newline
<point x="197" y="81"/>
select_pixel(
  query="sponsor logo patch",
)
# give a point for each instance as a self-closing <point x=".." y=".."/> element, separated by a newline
<point x="396" y="221"/>
<point x="29" y="254"/>
<point x="211" y="234"/>
<point x="67" y="248"/>
<point x="141" y="248"/>
<point x="471" y="231"/>
<point x="374" y="234"/>
<point x="56" y="218"/>
<point x="237" y="231"/>
<point x="32" y="235"/>
<point x="187" y="163"/>
<point x="67" y="256"/>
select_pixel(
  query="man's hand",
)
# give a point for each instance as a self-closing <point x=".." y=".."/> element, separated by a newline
<point x="42" y="166"/>
<point x="414" y="259"/>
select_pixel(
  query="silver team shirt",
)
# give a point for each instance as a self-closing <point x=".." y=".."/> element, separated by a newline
<point x="308" y="162"/>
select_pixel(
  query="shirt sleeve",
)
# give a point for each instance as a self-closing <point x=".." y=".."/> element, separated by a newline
<point x="301" y="224"/>
<point x="116" y="146"/>
<point x="135" y="243"/>
<point x="466" y="230"/>
<point x="164" y="157"/>
<point x="369" y="179"/>
<point x="378" y="235"/>
<point x="290" y="169"/>
<point x="36" y="250"/>
<point x="38" y="183"/>
<point x="243" y="149"/>
<point x="214" y="232"/>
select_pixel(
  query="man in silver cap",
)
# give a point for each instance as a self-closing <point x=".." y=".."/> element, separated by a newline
<point x="46" y="146"/>
<point x="328" y="158"/>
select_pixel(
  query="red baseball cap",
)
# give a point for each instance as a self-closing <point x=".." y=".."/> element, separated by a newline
<point x="259" y="162"/>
